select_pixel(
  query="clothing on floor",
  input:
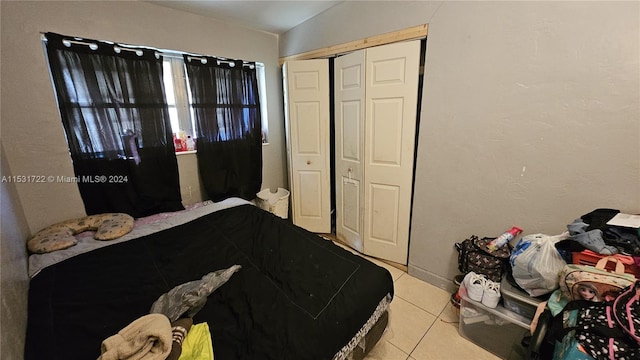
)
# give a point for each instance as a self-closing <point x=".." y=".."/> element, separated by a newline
<point x="147" y="338"/>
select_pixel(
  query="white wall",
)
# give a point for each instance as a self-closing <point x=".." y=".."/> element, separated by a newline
<point x="31" y="128"/>
<point x="354" y="20"/>
<point x="13" y="272"/>
<point x="530" y="114"/>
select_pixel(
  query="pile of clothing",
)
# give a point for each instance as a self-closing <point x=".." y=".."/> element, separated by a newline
<point x="154" y="337"/>
<point x="592" y="232"/>
<point x="168" y="332"/>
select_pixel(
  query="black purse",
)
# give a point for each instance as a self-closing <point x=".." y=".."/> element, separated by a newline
<point x="474" y="255"/>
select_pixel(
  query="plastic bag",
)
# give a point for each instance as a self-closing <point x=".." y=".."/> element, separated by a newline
<point x="191" y="297"/>
<point x="536" y="264"/>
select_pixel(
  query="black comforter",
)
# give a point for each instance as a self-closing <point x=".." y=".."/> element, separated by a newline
<point x="297" y="295"/>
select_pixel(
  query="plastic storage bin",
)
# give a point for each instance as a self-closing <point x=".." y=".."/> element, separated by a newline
<point x="518" y="301"/>
<point x="276" y="203"/>
<point x="498" y="330"/>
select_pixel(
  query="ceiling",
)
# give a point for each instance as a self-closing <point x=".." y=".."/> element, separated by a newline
<point x="270" y="16"/>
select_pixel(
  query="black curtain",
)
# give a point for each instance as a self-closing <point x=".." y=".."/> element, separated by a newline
<point x="113" y="108"/>
<point x="228" y="126"/>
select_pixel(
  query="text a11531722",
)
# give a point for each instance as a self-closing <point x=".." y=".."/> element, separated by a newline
<point x="85" y="179"/>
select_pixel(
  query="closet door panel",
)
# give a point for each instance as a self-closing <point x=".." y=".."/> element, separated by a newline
<point x="351" y="137"/>
<point x="350" y="216"/>
<point x="306" y="85"/>
<point x="310" y="199"/>
<point x="349" y="71"/>
<point x="308" y="128"/>
<point x="386" y="131"/>
<point x="392" y="74"/>
<point x="383" y="213"/>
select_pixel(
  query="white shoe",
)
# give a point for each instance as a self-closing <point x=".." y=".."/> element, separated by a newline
<point x="491" y="294"/>
<point x="475" y="285"/>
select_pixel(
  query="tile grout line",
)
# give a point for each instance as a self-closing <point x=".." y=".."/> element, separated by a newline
<point x="437" y="317"/>
<point x="419" y="307"/>
<point x="402" y="351"/>
<point x="416" y="305"/>
<point x="423" y="336"/>
<point x="428" y="329"/>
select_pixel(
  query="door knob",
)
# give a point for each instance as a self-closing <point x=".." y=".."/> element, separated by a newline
<point x="308" y="162"/>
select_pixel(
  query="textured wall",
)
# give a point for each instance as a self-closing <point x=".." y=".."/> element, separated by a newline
<point x="32" y="130"/>
<point x="530" y="114"/>
<point x="354" y="20"/>
<point x="13" y="268"/>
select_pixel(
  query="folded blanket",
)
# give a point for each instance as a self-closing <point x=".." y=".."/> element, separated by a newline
<point x="147" y="338"/>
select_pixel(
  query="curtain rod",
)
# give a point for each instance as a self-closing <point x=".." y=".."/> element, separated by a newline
<point x="173" y="54"/>
<point x="116" y="48"/>
<point x="231" y="63"/>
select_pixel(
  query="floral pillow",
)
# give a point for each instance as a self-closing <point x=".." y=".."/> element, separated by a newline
<point x="61" y="235"/>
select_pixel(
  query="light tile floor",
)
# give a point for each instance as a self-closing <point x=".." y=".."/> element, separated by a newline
<point x="423" y="325"/>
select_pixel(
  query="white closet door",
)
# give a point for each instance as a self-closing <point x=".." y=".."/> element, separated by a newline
<point x="306" y="87"/>
<point x="349" y="147"/>
<point x="392" y="73"/>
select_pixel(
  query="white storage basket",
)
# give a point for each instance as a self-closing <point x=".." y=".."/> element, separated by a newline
<point x="276" y="203"/>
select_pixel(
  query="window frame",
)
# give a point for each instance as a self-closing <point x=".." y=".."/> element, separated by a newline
<point x="185" y="121"/>
<point x="182" y="102"/>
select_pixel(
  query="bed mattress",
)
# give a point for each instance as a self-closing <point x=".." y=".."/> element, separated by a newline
<point x="297" y="296"/>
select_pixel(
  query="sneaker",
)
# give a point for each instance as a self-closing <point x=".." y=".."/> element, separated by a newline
<point x="475" y="285"/>
<point x="491" y="294"/>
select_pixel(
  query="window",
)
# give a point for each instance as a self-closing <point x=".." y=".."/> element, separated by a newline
<point x="176" y="89"/>
<point x="123" y="108"/>
<point x="262" y="91"/>
<point x="114" y="112"/>
<point x="179" y="98"/>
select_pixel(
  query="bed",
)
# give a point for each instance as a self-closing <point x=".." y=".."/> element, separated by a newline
<point x="297" y="295"/>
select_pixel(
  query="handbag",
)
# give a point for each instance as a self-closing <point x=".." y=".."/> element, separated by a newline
<point x="585" y="282"/>
<point x="474" y="255"/>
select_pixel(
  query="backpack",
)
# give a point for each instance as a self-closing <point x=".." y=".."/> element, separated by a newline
<point x="585" y="282"/>
<point x="474" y="255"/>
<point x="626" y="310"/>
<point x="605" y="330"/>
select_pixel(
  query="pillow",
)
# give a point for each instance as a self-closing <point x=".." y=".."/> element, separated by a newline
<point x="61" y="235"/>
<point x="111" y="226"/>
<point x="51" y="239"/>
